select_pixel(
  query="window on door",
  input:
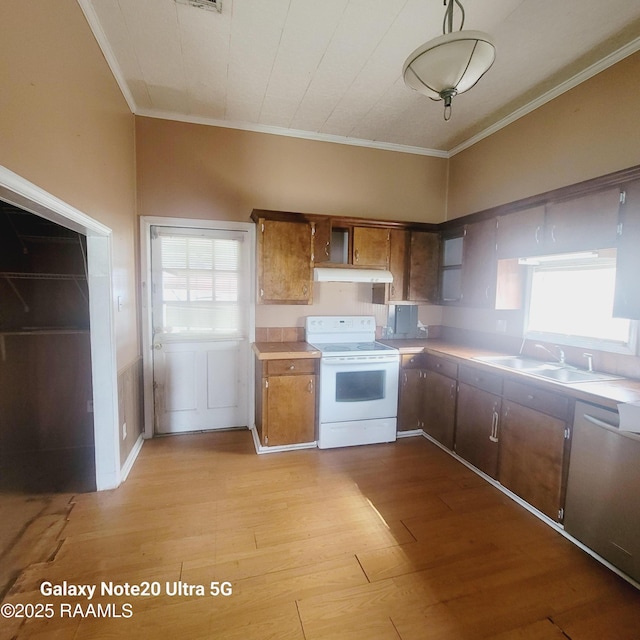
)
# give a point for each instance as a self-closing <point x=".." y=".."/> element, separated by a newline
<point x="200" y="284"/>
<point x="571" y="302"/>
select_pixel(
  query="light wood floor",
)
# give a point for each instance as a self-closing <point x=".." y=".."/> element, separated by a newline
<point x="384" y="542"/>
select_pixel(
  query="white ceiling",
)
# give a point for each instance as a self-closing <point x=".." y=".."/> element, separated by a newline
<point x="332" y="69"/>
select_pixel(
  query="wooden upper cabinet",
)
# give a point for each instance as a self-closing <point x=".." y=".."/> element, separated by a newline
<point x="627" y="294"/>
<point x="370" y="247"/>
<point x="424" y="266"/>
<point x="285" y="266"/>
<point x="479" y="264"/>
<point x="322" y="240"/>
<point x="579" y="224"/>
<point x="520" y="234"/>
<point x="398" y="265"/>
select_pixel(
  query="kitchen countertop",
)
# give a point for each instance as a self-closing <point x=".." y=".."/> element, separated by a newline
<point x="607" y="393"/>
<point x="284" y="350"/>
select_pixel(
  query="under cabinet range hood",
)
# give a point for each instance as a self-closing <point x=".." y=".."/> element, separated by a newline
<point x="345" y="274"/>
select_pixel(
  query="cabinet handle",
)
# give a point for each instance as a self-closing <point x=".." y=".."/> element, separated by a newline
<point x="305" y="289"/>
<point x="538" y="229"/>
<point x="326" y="249"/>
<point x="494" y="427"/>
<point x="553" y="233"/>
<point x="405" y="378"/>
<point x="531" y="397"/>
<point x="452" y="390"/>
<point x="356" y="255"/>
<point x="292" y="367"/>
<point x="310" y="386"/>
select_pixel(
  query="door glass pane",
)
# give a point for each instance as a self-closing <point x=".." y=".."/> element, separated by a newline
<point x="360" y="386"/>
<point x="199" y="287"/>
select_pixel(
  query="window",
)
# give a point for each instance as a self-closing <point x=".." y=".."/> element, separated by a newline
<point x="571" y="302"/>
<point x="200" y="277"/>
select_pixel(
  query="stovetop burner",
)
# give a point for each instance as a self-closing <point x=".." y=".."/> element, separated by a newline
<point x="347" y="347"/>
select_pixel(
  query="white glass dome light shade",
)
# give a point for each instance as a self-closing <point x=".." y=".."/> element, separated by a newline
<point x="452" y="63"/>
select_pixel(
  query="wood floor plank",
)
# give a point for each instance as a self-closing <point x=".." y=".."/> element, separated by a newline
<point x="387" y="542"/>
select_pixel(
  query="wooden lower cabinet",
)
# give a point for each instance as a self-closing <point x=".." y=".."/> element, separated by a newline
<point x="476" y="442"/>
<point x="534" y="445"/>
<point x="532" y="453"/>
<point x="286" y="401"/>
<point x="440" y="408"/>
<point x="411" y="392"/>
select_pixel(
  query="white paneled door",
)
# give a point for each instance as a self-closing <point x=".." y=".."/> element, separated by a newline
<point x="200" y="297"/>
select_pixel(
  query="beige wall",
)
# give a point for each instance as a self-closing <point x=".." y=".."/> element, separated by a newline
<point x="587" y="132"/>
<point x="65" y="127"/>
<point x="198" y="171"/>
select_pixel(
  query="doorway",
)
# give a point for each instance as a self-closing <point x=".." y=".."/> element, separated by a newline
<point x="198" y="287"/>
<point x="46" y="422"/>
<point x="21" y="193"/>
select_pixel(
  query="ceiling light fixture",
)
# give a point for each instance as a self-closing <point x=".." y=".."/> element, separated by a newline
<point x="450" y="64"/>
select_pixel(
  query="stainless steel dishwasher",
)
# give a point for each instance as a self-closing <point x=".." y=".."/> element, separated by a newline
<point x="602" y="508"/>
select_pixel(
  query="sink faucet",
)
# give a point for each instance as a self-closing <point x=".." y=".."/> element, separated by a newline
<point x="559" y="356"/>
<point x="589" y="357"/>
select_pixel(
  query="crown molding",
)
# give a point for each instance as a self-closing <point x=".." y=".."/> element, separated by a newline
<point x="291" y="133"/>
<point x="99" y="34"/>
<point x="606" y="62"/>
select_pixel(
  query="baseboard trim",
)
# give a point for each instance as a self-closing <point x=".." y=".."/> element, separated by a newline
<point x="131" y="458"/>
<point x="409" y="434"/>
<point x="538" y="514"/>
<point x="260" y="449"/>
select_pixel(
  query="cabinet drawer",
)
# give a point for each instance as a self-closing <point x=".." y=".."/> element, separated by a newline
<point x="547" y="402"/>
<point x="445" y="367"/>
<point x="475" y="377"/>
<point x="290" y="367"/>
<point x="413" y="361"/>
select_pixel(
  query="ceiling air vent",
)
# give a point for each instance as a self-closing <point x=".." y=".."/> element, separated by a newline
<point x="209" y="5"/>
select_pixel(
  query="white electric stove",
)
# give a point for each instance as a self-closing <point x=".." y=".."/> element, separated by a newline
<point x="358" y="381"/>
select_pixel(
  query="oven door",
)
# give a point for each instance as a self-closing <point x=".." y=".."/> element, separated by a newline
<point x="358" y="388"/>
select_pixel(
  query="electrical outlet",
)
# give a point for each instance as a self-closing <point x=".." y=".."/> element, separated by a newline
<point x="124" y="430"/>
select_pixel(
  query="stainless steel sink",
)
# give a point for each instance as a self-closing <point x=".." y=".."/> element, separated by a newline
<point x="512" y="362"/>
<point x="568" y="375"/>
<point x="547" y="370"/>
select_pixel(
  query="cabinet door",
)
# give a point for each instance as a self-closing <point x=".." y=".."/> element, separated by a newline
<point x="440" y="407"/>
<point x="532" y="451"/>
<point x="477" y="430"/>
<point x="370" y="247"/>
<point x="520" y="234"/>
<point x="322" y="240"/>
<point x="424" y="264"/>
<point x="289" y="409"/>
<point x="398" y="265"/>
<point x="627" y="297"/>
<point x="398" y="254"/>
<point x="411" y="399"/>
<point x="284" y="262"/>
<point x="579" y="224"/>
<point x="479" y="264"/>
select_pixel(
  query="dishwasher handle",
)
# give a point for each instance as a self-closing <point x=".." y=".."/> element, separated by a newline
<point x="598" y="422"/>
